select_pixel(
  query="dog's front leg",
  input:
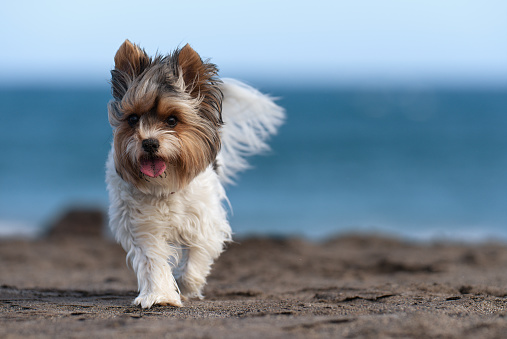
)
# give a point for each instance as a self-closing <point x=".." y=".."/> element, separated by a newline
<point x="155" y="279"/>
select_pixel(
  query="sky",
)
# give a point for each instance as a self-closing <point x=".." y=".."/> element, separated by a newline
<point x="295" y="42"/>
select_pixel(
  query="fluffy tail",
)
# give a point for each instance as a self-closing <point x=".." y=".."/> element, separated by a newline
<point x="250" y="117"/>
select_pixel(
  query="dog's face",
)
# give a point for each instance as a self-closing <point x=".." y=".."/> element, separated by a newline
<point x="166" y="116"/>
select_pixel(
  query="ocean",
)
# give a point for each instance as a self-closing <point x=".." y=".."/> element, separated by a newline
<point x="419" y="164"/>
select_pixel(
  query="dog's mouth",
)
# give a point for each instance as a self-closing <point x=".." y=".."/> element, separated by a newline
<point x="152" y="166"/>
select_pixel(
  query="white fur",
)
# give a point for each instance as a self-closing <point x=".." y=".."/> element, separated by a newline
<point x="172" y="238"/>
<point x="250" y="118"/>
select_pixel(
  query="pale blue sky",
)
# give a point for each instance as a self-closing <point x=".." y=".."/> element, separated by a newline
<point x="337" y="41"/>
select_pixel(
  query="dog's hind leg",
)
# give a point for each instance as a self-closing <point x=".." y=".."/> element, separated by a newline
<point x="196" y="270"/>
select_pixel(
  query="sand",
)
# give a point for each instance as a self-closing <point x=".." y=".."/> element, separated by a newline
<point x="75" y="283"/>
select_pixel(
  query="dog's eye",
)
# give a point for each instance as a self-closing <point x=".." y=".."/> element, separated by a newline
<point x="172" y="121"/>
<point x="133" y="120"/>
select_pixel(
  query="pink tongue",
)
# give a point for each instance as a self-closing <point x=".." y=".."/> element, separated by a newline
<point x="152" y="167"/>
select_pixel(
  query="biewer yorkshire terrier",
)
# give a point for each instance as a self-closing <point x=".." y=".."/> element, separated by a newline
<point x="179" y="135"/>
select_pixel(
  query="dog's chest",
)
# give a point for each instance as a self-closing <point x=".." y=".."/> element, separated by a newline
<point x="191" y="211"/>
<point x="166" y="214"/>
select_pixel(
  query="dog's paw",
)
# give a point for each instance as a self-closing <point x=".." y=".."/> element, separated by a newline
<point x="193" y="295"/>
<point x="192" y="289"/>
<point x="148" y="300"/>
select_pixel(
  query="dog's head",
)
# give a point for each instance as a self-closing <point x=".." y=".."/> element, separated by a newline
<point x="166" y="116"/>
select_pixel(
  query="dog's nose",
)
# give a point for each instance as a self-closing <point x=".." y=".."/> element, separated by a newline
<point x="150" y="145"/>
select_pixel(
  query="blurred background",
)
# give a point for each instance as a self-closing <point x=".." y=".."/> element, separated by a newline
<point x="397" y="118"/>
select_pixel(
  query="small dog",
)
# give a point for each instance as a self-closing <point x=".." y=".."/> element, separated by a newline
<point x="179" y="134"/>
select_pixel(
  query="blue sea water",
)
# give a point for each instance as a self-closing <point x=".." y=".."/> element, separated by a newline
<point x="422" y="164"/>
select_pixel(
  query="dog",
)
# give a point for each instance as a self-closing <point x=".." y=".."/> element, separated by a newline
<point x="180" y="134"/>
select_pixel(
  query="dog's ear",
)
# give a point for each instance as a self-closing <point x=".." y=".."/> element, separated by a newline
<point x="201" y="80"/>
<point x="196" y="73"/>
<point x="129" y="61"/>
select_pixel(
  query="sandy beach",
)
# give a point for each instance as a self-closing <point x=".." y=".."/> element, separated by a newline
<point x="75" y="283"/>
